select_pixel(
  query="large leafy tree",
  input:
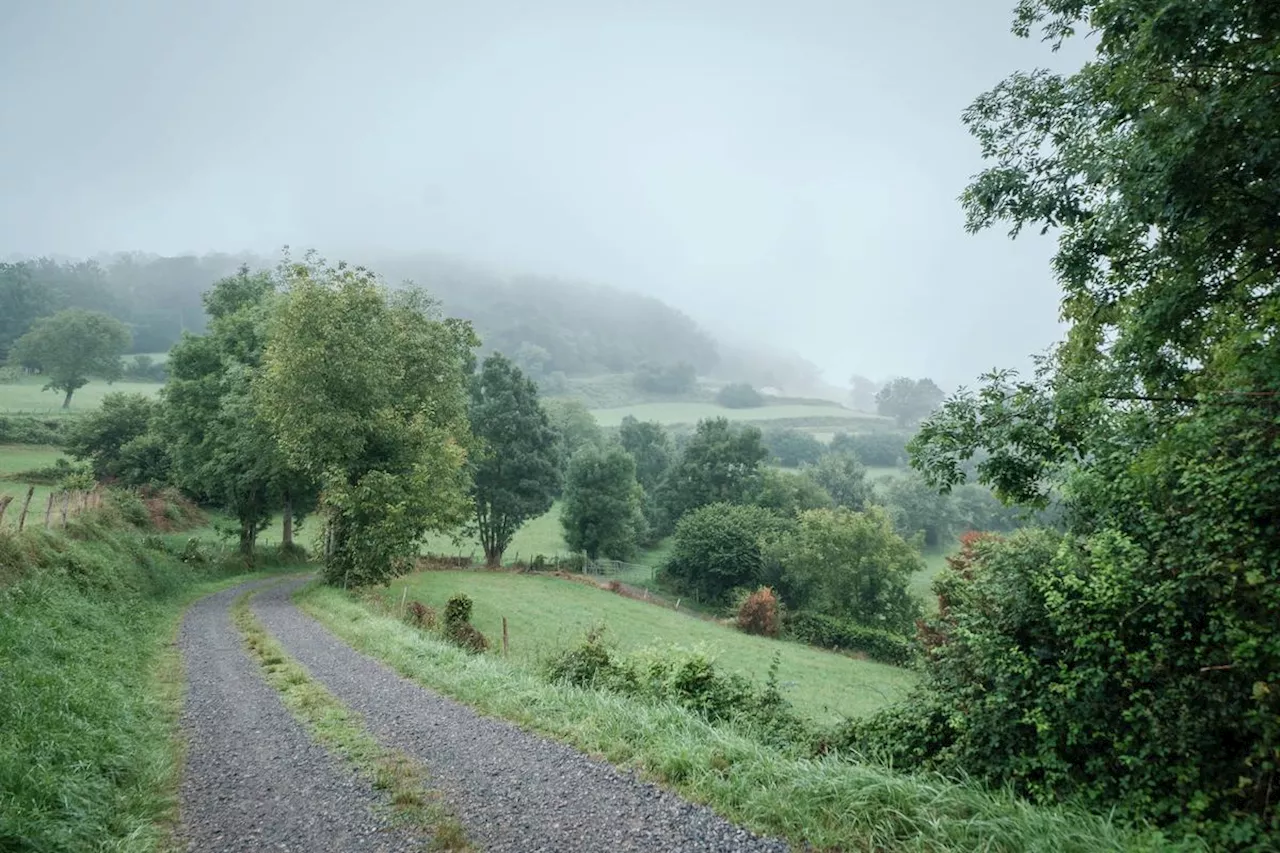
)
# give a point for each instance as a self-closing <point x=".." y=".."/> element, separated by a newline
<point x="72" y="347"/>
<point x="222" y="445"/>
<point x="721" y="547"/>
<point x="364" y="388"/>
<point x="601" y="514"/>
<point x="720" y="464"/>
<point x="908" y="401"/>
<point x="650" y="446"/>
<point x="575" y="424"/>
<point x="1135" y="660"/>
<point x="516" y="469"/>
<point x="843" y="477"/>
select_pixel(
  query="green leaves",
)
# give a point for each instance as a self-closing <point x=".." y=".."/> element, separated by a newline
<point x="602" y="503"/>
<point x="71" y="347"/>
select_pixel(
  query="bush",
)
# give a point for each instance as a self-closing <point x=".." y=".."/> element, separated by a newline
<point x="873" y="449"/>
<point x="720" y="547"/>
<point x="457" y="627"/>
<point x="24" y="429"/>
<point x="420" y="615"/>
<point x="828" y="632"/>
<point x="792" y="448"/>
<point x="760" y="614"/>
<point x="678" y="378"/>
<point x="739" y="395"/>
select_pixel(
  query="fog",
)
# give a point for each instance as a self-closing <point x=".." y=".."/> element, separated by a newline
<point x="785" y="172"/>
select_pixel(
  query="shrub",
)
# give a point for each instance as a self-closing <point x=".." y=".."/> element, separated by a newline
<point x="739" y="395"/>
<point x="458" y="609"/>
<point x="875" y="449"/>
<point x="828" y="632"/>
<point x="457" y="629"/>
<point x="23" y="429"/>
<point x="720" y="547"/>
<point x="759" y="613"/>
<point x="420" y="615"/>
<point x="792" y="448"/>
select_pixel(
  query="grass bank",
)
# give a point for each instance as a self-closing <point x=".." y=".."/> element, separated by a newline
<point x="546" y="614"/>
<point x="90" y="685"/>
<point x="830" y="803"/>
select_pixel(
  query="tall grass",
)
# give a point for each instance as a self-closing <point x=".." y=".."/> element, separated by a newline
<point x="90" y="685"/>
<point x="829" y="803"/>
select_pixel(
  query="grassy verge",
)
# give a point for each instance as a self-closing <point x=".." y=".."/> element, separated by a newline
<point x="90" y="685"/>
<point x="340" y="730"/>
<point x="546" y="615"/>
<point x="830" y="803"/>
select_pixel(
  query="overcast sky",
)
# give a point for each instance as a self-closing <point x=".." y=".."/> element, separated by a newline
<point x="778" y="169"/>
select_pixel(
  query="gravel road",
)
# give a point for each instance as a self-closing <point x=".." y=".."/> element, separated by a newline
<point x="513" y="791"/>
<point x="253" y="780"/>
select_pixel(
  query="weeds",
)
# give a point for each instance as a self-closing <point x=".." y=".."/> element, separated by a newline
<point x="340" y="730"/>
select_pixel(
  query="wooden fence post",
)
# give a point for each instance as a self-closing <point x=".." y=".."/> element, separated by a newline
<point x="4" y="504"/>
<point x="22" y="519"/>
<point x="504" y="636"/>
<point x="66" y="503"/>
<point x="48" y="511"/>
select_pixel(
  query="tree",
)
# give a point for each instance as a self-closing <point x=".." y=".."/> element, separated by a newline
<point x="22" y="301"/>
<point x="71" y="347"/>
<point x="873" y="449"/>
<point x="862" y="393"/>
<point x="1133" y="661"/>
<point x="721" y="464"/>
<point x="739" y="395"/>
<point x="222" y="446"/>
<point x="108" y="438"/>
<point x="364" y="389"/>
<point x="792" y="448"/>
<point x="788" y="493"/>
<point x="602" y="503"/>
<point x="670" y="379"/>
<point x="720" y="547"/>
<point x="576" y="426"/>
<point x="650" y="446"/>
<point x="918" y="509"/>
<point x="850" y="565"/>
<point x="516" y="469"/>
<point x="908" y="401"/>
<point x="844" y="478"/>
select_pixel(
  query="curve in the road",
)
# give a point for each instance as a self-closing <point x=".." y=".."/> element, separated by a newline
<point x="512" y="790"/>
<point x="252" y="779"/>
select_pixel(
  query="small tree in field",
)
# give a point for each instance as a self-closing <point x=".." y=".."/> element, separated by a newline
<point x="601" y="513"/>
<point x="516" y="470"/>
<point x="71" y="347"/>
<point x="908" y="401"/>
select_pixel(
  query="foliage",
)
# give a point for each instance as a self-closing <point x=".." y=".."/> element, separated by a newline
<point x="671" y="379"/>
<point x="792" y="448"/>
<point x="576" y="426"/>
<point x="844" y="478"/>
<point x="601" y="513"/>
<point x="788" y="493"/>
<point x="457" y="625"/>
<point x="760" y="613"/>
<point x="830" y="632"/>
<point x="102" y="436"/>
<point x="908" y="401"/>
<point x="721" y="463"/>
<point x="873" y="449"/>
<point x="650" y="446"/>
<point x="1135" y="659"/>
<point x="516" y="469"/>
<point x="71" y="347"/>
<point x="917" y="509"/>
<point x="23" y="300"/>
<point x="24" y="429"/>
<point x="739" y="395"/>
<point x="143" y="368"/>
<point x="720" y="547"/>
<point x="850" y="565"/>
<point x="364" y="390"/>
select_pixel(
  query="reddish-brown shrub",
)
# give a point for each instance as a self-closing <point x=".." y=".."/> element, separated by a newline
<point x="759" y="613"/>
<point x="420" y="615"/>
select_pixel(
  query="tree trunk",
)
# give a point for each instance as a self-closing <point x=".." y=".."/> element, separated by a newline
<point x="493" y="556"/>
<point x="248" y="533"/>
<point x="286" y="537"/>
<point x="66" y="401"/>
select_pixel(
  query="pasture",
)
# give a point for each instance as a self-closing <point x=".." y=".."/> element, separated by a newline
<point x="26" y="397"/>
<point x="14" y="460"/>
<point x="546" y="614"/>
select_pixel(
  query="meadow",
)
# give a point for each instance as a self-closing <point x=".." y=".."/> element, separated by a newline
<point x="25" y="396"/>
<point x="16" y="459"/>
<point x="546" y="614"/>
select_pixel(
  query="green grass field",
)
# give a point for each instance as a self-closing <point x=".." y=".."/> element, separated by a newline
<point x="542" y="535"/>
<point x="692" y="412"/>
<point x="15" y="459"/>
<point x="25" y="397"/>
<point x="546" y="614"/>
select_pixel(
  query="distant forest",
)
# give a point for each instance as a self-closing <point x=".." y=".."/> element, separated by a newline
<point x="551" y="328"/>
